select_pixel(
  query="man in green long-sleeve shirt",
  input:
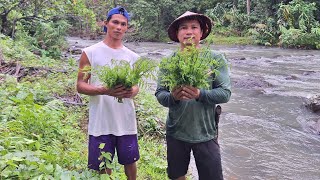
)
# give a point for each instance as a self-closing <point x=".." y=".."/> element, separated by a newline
<point x="191" y="118"/>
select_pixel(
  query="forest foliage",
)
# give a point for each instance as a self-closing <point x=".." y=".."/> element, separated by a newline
<point x="43" y="24"/>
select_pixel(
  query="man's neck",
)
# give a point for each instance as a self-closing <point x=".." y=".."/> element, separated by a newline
<point x="113" y="43"/>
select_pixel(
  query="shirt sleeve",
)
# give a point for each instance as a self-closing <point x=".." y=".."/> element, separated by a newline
<point x="163" y="94"/>
<point x="221" y="85"/>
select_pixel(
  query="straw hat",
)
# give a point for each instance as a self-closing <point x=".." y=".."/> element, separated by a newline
<point x="205" y="23"/>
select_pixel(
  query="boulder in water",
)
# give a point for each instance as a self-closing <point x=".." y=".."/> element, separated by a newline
<point x="314" y="126"/>
<point x="250" y="82"/>
<point x="313" y="103"/>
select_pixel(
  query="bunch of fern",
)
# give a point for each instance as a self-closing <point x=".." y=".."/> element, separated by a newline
<point x="192" y="66"/>
<point x="120" y="72"/>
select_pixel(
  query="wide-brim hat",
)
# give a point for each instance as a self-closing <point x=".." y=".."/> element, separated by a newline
<point x="205" y="22"/>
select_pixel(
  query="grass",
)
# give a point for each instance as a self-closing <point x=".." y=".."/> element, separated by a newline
<point x="230" y="40"/>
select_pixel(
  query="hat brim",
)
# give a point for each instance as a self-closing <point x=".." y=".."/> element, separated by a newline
<point x="173" y="27"/>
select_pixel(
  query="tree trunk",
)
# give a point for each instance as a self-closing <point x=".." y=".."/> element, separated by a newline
<point x="5" y="27"/>
<point x="235" y="4"/>
<point x="248" y="7"/>
<point x="272" y="8"/>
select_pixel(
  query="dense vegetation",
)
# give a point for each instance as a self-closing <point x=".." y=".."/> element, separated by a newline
<point x="43" y="120"/>
<point x="42" y="24"/>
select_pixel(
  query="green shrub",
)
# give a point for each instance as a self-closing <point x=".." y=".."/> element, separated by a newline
<point x="151" y="115"/>
<point x="265" y="34"/>
<point x="45" y="37"/>
<point x="297" y="38"/>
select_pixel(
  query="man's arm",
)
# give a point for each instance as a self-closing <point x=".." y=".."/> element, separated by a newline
<point x="221" y="90"/>
<point x="84" y="87"/>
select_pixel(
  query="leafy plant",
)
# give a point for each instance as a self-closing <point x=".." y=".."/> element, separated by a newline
<point x="151" y="116"/>
<point x="152" y="163"/>
<point x="265" y="33"/>
<point x="297" y="38"/>
<point x="120" y="72"/>
<point x="106" y="163"/>
<point x="298" y="14"/>
<point x="298" y="25"/>
<point x="193" y="66"/>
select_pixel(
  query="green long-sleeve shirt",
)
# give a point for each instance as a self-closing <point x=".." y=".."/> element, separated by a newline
<point x="193" y="121"/>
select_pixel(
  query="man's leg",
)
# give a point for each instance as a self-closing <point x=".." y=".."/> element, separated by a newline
<point x="106" y="171"/>
<point x="128" y="154"/>
<point x="181" y="178"/>
<point x="131" y="171"/>
<point x="178" y="157"/>
<point x="208" y="160"/>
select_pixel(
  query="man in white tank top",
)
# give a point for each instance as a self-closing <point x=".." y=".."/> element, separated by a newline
<point x="110" y="122"/>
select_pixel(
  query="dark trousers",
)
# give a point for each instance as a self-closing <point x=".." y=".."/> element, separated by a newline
<point x="206" y="154"/>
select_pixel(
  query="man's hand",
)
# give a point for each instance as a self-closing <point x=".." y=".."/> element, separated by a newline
<point x="131" y="92"/>
<point x="185" y="93"/>
<point x="191" y="92"/>
<point x="119" y="91"/>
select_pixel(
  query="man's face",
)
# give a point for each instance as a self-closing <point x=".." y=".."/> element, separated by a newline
<point x="189" y="32"/>
<point x="117" y="26"/>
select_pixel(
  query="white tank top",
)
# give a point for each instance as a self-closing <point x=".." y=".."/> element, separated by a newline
<point x="106" y="114"/>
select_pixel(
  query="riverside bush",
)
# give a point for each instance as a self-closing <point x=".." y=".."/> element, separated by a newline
<point x="297" y="38"/>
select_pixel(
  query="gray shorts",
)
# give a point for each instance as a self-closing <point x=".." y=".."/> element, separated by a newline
<point x="206" y="154"/>
<point x="126" y="146"/>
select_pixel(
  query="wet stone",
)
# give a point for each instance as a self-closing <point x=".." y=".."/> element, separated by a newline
<point x="313" y="103"/>
<point x="314" y="126"/>
<point x="251" y="82"/>
<point x="307" y="73"/>
<point x="155" y="54"/>
<point x="239" y="59"/>
<point x="291" y="77"/>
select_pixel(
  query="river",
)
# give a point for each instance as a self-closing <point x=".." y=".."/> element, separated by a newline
<point x="264" y="131"/>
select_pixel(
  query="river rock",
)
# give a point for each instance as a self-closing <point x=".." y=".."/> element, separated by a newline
<point x="155" y="54"/>
<point x="250" y="82"/>
<point x="314" y="126"/>
<point x="307" y="73"/>
<point x="313" y="103"/>
<point x="239" y="59"/>
<point x="291" y="77"/>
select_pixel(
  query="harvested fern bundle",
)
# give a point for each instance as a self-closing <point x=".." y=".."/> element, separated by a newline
<point x="193" y="67"/>
<point x="120" y="72"/>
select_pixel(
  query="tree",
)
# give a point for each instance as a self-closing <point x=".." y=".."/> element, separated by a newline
<point x="235" y="3"/>
<point x="248" y="7"/>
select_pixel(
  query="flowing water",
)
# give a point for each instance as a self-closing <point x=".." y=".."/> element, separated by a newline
<point x="264" y="130"/>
